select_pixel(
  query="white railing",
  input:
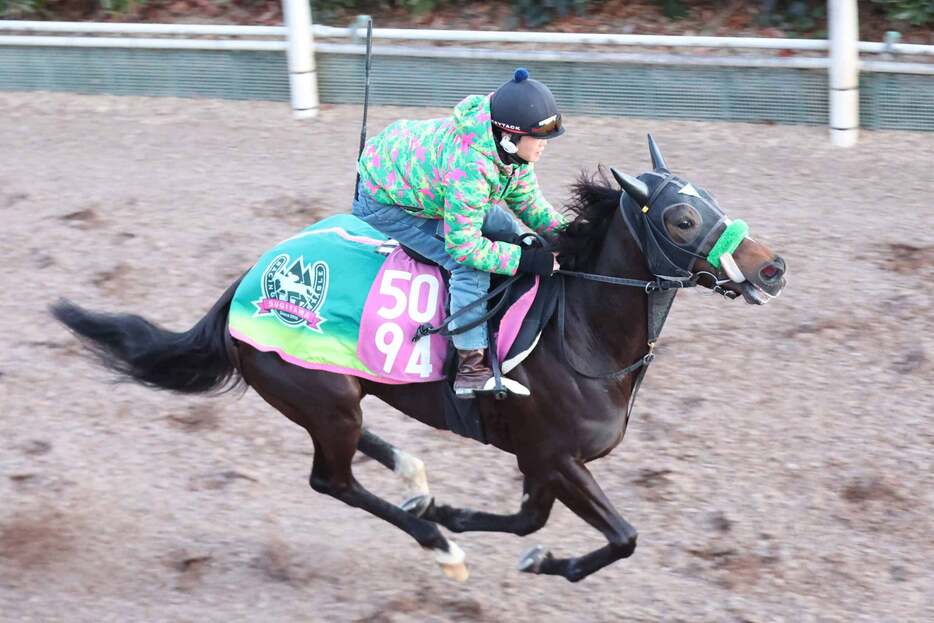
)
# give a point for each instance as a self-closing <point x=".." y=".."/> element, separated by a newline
<point x="145" y="43"/>
<point x="320" y="31"/>
<point x="299" y="41"/>
<point x="274" y="38"/>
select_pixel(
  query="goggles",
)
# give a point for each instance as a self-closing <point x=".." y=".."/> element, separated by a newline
<point x="547" y="127"/>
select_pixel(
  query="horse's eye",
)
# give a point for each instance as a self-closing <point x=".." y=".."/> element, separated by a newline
<point x="685" y="223"/>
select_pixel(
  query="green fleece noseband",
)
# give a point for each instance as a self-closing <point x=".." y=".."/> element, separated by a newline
<point x="729" y="240"/>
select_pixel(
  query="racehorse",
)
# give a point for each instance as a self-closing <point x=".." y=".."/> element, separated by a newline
<point x="659" y="233"/>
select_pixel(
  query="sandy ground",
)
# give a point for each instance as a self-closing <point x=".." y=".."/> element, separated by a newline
<point x="779" y="464"/>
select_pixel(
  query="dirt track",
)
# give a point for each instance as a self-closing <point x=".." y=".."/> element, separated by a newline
<point x="779" y="466"/>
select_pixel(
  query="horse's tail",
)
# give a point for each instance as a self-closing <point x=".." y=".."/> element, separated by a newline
<point x="192" y="362"/>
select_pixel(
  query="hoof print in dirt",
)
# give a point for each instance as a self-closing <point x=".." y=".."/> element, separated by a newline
<point x="191" y="569"/>
<point x="291" y="209"/>
<point x="43" y="260"/>
<point x="196" y="419"/>
<point x="732" y="568"/>
<point x="218" y="480"/>
<point x="86" y="218"/>
<point x="908" y="259"/>
<point x="720" y="522"/>
<point x="113" y="281"/>
<point x="868" y="488"/>
<point x="8" y="201"/>
<point x="279" y="563"/>
<point x="910" y="361"/>
<point x="36" y="447"/>
<point x="652" y="478"/>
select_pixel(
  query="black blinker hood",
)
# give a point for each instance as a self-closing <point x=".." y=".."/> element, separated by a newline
<point x="664" y="257"/>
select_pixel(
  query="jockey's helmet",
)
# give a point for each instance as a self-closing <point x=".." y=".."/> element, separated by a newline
<point x="525" y="106"/>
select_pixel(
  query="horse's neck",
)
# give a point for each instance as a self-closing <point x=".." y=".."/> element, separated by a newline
<point x="611" y="320"/>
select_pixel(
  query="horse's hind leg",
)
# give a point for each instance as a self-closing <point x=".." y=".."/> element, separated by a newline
<point x="406" y="466"/>
<point x="327" y="405"/>
<point x="331" y="474"/>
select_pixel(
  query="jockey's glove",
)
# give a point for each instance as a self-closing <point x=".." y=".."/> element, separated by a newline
<point x="536" y="261"/>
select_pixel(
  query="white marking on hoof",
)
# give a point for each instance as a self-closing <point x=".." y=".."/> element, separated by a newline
<point x="453" y="556"/>
<point x="411" y="470"/>
<point x="458" y="573"/>
<point x="452" y="562"/>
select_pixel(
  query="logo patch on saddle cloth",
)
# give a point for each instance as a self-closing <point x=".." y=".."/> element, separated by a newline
<point x="294" y="292"/>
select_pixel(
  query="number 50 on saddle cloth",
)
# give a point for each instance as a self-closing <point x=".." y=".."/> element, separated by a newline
<point x="328" y="299"/>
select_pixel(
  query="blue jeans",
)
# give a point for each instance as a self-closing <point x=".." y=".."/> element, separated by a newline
<point x="426" y="236"/>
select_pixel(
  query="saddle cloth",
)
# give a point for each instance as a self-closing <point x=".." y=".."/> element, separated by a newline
<point x="341" y="297"/>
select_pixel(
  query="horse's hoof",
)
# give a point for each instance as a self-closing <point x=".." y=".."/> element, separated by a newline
<point x="417" y="505"/>
<point x="457" y="572"/>
<point x="531" y="561"/>
<point x="452" y="561"/>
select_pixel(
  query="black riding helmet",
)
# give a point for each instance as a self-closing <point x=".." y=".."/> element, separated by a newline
<point x="526" y="107"/>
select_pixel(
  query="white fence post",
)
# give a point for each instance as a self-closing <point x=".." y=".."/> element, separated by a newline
<point x="303" y="80"/>
<point x="844" y="72"/>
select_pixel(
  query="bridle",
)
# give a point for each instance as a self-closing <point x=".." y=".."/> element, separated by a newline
<point x="660" y="291"/>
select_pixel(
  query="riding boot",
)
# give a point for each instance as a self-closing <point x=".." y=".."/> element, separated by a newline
<point x="472" y="373"/>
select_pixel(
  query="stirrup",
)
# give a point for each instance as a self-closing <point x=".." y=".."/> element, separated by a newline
<point x="509" y="387"/>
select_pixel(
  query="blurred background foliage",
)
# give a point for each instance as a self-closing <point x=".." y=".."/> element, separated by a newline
<point x="793" y="17"/>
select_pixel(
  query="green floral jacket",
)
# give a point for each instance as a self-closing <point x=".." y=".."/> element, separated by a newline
<point x="448" y="169"/>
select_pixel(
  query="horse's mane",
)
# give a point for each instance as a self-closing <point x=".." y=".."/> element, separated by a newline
<point x="594" y="200"/>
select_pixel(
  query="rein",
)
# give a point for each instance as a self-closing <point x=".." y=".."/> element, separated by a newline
<point x="661" y="293"/>
<point x="649" y="286"/>
<point x="503" y="288"/>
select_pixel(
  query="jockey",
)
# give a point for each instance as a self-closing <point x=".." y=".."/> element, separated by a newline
<point x="450" y="188"/>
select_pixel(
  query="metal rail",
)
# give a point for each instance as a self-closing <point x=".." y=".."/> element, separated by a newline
<point x="464" y="36"/>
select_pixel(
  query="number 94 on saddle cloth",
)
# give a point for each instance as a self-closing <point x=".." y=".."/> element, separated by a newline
<point x="330" y="298"/>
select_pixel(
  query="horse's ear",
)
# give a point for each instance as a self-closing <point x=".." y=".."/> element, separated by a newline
<point x="658" y="163"/>
<point x="633" y="187"/>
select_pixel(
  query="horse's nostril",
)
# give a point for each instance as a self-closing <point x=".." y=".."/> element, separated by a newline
<point x="771" y="271"/>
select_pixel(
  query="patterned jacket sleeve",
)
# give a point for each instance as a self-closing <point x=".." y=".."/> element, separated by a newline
<point x="525" y="199"/>
<point x="466" y="203"/>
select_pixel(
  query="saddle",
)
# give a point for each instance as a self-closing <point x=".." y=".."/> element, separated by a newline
<point x="341" y="297"/>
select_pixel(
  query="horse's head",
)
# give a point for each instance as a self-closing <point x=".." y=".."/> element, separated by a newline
<point x="685" y="235"/>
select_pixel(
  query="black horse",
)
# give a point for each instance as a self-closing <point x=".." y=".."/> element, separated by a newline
<point x="659" y="234"/>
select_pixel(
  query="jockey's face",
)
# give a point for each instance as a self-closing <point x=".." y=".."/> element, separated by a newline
<point x="530" y="149"/>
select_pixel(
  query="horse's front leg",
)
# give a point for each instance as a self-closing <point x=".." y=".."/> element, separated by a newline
<point x="576" y="488"/>
<point x="537" y="502"/>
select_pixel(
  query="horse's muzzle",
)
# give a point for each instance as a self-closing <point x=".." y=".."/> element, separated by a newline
<point x="771" y="276"/>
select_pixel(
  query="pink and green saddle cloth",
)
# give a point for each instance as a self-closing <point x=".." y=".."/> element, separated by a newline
<point x="339" y="297"/>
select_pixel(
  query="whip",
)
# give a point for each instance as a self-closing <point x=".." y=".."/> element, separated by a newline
<point x="366" y="92"/>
